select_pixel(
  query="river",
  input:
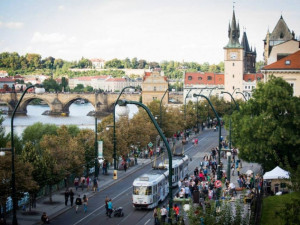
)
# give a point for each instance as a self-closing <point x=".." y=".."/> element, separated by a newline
<point x="77" y="116"/>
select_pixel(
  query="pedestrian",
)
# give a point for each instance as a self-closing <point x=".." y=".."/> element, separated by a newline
<point x="125" y="166"/>
<point x="110" y="208"/>
<point x="78" y="202"/>
<point x="71" y="193"/>
<point x="76" y="183"/>
<point x="106" y="205"/>
<point x="67" y="194"/>
<point x="82" y="183"/>
<point x="95" y="184"/>
<point x="85" y="203"/>
<point x="232" y="170"/>
<point x="163" y="213"/>
<point x="87" y="182"/>
<point x="176" y="211"/>
<point x="44" y="218"/>
<point x="155" y="215"/>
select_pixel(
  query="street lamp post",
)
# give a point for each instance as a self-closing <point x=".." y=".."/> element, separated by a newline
<point x="13" y="176"/>
<point x="96" y="150"/>
<point x="228" y="165"/>
<point x="114" y="133"/>
<point x="237" y="107"/>
<point x="190" y="89"/>
<point x="238" y="92"/>
<point x="124" y="103"/>
<point x="219" y="138"/>
<point x="160" y="109"/>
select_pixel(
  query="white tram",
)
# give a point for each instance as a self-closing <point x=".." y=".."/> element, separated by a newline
<point x="180" y="168"/>
<point x="150" y="188"/>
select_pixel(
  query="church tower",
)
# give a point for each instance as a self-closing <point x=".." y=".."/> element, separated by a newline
<point x="233" y="59"/>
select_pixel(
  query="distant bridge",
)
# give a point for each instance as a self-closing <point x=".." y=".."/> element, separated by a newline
<point x="59" y="103"/>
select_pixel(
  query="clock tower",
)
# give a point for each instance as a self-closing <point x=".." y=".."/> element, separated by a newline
<point x="233" y="59"/>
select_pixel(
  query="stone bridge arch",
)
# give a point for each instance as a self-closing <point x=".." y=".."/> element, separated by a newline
<point x="26" y="100"/>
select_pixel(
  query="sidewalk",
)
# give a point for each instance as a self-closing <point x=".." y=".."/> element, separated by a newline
<point x="58" y="207"/>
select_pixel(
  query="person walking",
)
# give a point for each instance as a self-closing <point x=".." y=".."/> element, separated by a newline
<point x="82" y="183"/>
<point x="155" y="216"/>
<point x="106" y="205"/>
<point x="110" y="208"/>
<point x="67" y="194"/>
<point x="125" y="166"/>
<point x="95" y="184"/>
<point x="163" y="213"/>
<point x="71" y="194"/>
<point x="85" y="203"/>
<point x="78" y="202"/>
<point x="76" y="183"/>
<point x="176" y="210"/>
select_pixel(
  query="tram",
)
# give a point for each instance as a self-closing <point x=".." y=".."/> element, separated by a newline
<point x="151" y="188"/>
<point x="179" y="168"/>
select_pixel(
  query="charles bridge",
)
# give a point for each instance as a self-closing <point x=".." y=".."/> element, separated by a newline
<point x="59" y="103"/>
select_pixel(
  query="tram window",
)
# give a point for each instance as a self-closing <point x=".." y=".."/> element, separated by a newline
<point x="142" y="190"/>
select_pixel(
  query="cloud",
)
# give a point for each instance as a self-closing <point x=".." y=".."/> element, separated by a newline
<point x="48" y="38"/>
<point x="11" y="25"/>
<point x="61" y="7"/>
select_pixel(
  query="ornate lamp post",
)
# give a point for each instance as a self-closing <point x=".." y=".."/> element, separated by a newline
<point x="13" y="176"/>
<point x="219" y="138"/>
<point x="124" y="103"/>
<point x="242" y="94"/>
<point x="160" y="109"/>
<point x="114" y="130"/>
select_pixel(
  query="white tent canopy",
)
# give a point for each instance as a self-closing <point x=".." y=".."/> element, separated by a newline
<point x="276" y="173"/>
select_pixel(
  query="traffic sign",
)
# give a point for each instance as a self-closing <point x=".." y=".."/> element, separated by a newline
<point x="218" y="183"/>
<point x="150" y="144"/>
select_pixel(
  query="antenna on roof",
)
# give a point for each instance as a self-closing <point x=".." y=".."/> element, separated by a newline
<point x="233" y="2"/>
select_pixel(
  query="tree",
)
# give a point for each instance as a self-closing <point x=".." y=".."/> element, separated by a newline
<point x="86" y="140"/>
<point x="114" y="63"/>
<point x="134" y="63"/>
<point x="79" y="88"/>
<point x="267" y="128"/>
<point x="51" y="84"/>
<point x="33" y="134"/>
<point x="142" y="64"/>
<point x="63" y="156"/>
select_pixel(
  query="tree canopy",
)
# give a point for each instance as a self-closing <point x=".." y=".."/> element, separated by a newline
<point x="267" y="128"/>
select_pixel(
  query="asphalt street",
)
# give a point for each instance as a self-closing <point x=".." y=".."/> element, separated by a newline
<point x="121" y="192"/>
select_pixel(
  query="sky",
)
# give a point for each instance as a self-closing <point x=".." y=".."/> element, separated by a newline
<point x="154" y="30"/>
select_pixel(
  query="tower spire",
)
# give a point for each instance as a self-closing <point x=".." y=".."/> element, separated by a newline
<point x="234" y="33"/>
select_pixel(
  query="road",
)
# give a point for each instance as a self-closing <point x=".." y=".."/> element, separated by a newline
<point x="121" y="193"/>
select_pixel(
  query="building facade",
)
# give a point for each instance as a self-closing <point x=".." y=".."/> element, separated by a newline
<point x="288" y="68"/>
<point x="154" y="86"/>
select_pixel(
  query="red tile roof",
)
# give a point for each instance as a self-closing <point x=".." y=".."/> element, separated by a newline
<point x="204" y="78"/>
<point x="253" y="76"/>
<point x="282" y="64"/>
<point x="116" y="80"/>
<point x="7" y="79"/>
<point x="92" y="77"/>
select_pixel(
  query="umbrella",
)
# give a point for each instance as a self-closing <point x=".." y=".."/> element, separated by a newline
<point x="249" y="172"/>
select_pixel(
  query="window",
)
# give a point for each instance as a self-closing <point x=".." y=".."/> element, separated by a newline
<point x="232" y="64"/>
<point x="154" y="98"/>
<point x="190" y="77"/>
<point x="287" y="62"/>
<point x="142" y="190"/>
<point x="209" y="78"/>
<point x="154" y="88"/>
<point x="232" y="75"/>
<point x="232" y="87"/>
<point x="199" y="78"/>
